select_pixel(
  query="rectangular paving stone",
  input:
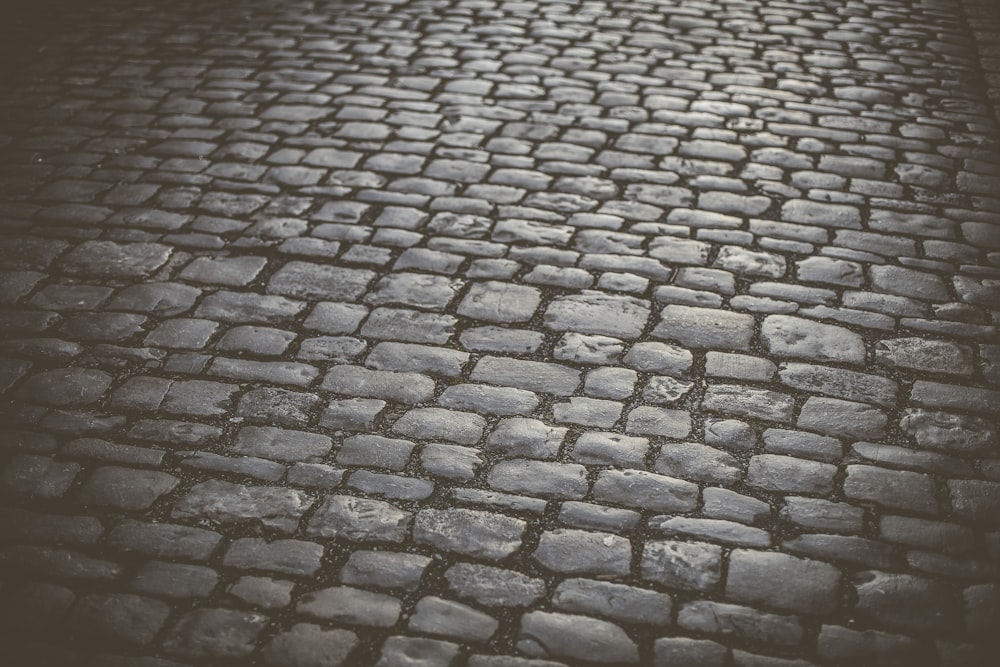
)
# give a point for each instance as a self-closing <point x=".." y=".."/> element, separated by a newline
<point x="930" y="356"/>
<point x="248" y="308"/>
<point x="50" y="529"/>
<point x="821" y="214"/>
<point x="940" y="395"/>
<point x="164" y="540"/>
<point x="225" y="503"/>
<point x="118" y="618"/>
<point x="281" y="444"/>
<point x="410" y="326"/>
<point x="125" y="488"/>
<point x="748" y="624"/>
<point x="198" y="398"/>
<point x="598" y="313"/>
<point x="386" y="485"/>
<point x="739" y="367"/>
<point x="243" y="466"/>
<point x="839" y="383"/>
<point x="546" y="479"/>
<point x="898" y="489"/>
<point x="649" y="420"/>
<point x="487" y="399"/>
<point x="694" y="566"/>
<point x="717" y="530"/>
<point x="793" y="337"/>
<point x="211" y="633"/>
<point x="500" y="302"/>
<point x="705" y="328"/>
<point x="384" y="569"/>
<point x="279" y="372"/>
<point x="810" y="587"/>
<point x="842" y="419"/>
<point x="788" y="474"/>
<point x="359" y="520"/>
<point x="376" y="451"/>
<point x="405" y="357"/>
<point x="229" y="271"/>
<point x="911" y="224"/>
<point x="175" y="580"/>
<point x="530" y="375"/>
<point x="335" y="318"/>
<point x="627" y="604"/>
<point x="802" y="444"/>
<point x="575" y="638"/>
<point x="645" y="491"/>
<point x="908" y="282"/>
<point x="294" y="557"/>
<point x="752" y="402"/>
<point x="110" y="259"/>
<point x="360" y="381"/>
<point x="474" y="533"/>
<point x="975" y="499"/>
<point x="568" y="551"/>
<point x="697" y="462"/>
<point x="905" y="602"/>
<point x="307" y="280"/>
<point x="418" y="290"/>
<point x="591" y="412"/>
<point x="437" y="616"/>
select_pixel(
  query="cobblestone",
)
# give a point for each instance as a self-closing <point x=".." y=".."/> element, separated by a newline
<point x="352" y="606"/>
<point x="469" y="532"/>
<point x="545" y="634"/>
<point x="503" y="334"/>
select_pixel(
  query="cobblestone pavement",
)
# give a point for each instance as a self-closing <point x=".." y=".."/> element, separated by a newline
<point x="499" y="333"/>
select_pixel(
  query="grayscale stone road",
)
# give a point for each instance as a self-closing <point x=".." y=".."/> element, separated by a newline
<point x="500" y="333"/>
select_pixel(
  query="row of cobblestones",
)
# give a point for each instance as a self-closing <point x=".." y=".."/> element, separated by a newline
<point x="500" y="334"/>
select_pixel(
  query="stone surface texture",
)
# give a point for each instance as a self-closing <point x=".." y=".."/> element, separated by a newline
<point x="499" y="333"/>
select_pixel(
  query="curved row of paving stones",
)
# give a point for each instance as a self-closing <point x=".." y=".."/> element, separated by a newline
<point x="501" y="333"/>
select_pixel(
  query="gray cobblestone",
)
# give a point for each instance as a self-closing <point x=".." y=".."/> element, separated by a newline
<point x="262" y="591"/>
<point x="400" y="651"/>
<point x="705" y="328"/>
<point x="293" y="557"/>
<point x="519" y="436"/>
<point x="213" y="633"/>
<point x="898" y="601"/>
<point x="493" y="587"/>
<point x="909" y="491"/>
<point x="351" y="606"/>
<point x="125" y="488"/>
<point x="843" y="419"/>
<point x="437" y="423"/>
<point x="791" y="337"/>
<point x="359" y="519"/>
<point x="118" y="617"/>
<point x="593" y="412"/>
<point x="569" y="551"/>
<point x="445" y="318"/>
<point x="730" y="620"/>
<point x="384" y="569"/>
<point x="645" y="491"/>
<point x="529" y="375"/>
<point x="545" y="634"/>
<point x="469" y="532"/>
<point x="812" y="587"/>
<point x="225" y="502"/>
<point x="625" y="604"/>
<point x="175" y="580"/>
<point x="598" y="313"/>
<point x="543" y="478"/>
<point x="308" y="644"/>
